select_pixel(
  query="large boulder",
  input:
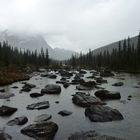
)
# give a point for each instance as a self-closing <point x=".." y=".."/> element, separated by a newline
<point x="51" y="89"/>
<point x="42" y="118"/>
<point x="7" y="111"/>
<point x="118" y="84"/>
<point x="99" y="113"/>
<point x="105" y="94"/>
<point x="39" y="105"/>
<point x="85" y="100"/>
<point x="91" y="135"/>
<point x="18" y="121"/>
<point x="41" y="131"/>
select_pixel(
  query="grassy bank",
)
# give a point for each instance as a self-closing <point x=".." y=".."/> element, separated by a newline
<point x="9" y="75"/>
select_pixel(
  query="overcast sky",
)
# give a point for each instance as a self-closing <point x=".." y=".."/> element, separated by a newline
<point x="72" y="24"/>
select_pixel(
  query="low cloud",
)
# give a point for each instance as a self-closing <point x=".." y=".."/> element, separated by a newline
<point x="72" y="24"/>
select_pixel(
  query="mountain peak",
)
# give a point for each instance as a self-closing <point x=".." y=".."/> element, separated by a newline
<point x="34" y="42"/>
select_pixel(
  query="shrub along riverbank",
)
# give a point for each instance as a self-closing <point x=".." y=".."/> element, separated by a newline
<point x="11" y="74"/>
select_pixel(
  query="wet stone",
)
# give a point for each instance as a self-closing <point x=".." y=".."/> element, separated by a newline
<point x="2" y="90"/>
<point x="51" y="89"/>
<point x="80" y="87"/>
<point x="118" y="84"/>
<point x="65" y="113"/>
<point x="39" y="105"/>
<point x="15" y="87"/>
<point x="7" y="111"/>
<point x="91" y="135"/>
<point x="41" y="131"/>
<point x="99" y="113"/>
<point x="85" y="100"/>
<point x="6" y="95"/>
<point x="105" y="94"/>
<point x="35" y="95"/>
<point x="4" y="136"/>
<point x="66" y="85"/>
<point x="18" y="121"/>
<point x="42" y="118"/>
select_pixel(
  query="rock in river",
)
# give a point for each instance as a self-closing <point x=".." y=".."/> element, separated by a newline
<point x="85" y="100"/>
<point x="91" y="135"/>
<point x="80" y="87"/>
<point x="27" y="87"/>
<point x="106" y="73"/>
<point x="101" y="81"/>
<point x="6" y="95"/>
<point x="39" y="105"/>
<point x="99" y="113"/>
<point x="18" y="121"/>
<point x="52" y="76"/>
<point x="118" y="84"/>
<point x="4" y="136"/>
<point x="2" y="90"/>
<point x="65" y="112"/>
<point x="42" y="118"/>
<point x="51" y="89"/>
<point x="41" y="131"/>
<point x="7" y="111"/>
<point x="89" y="84"/>
<point x="65" y="85"/>
<point x="15" y="87"/>
<point x="105" y="94"/>
<point x="35" y="95"/>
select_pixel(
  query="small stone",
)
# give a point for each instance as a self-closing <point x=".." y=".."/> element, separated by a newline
<point x="65" y="112"/>
<point x="39" y="105"/>
<point x="18" y="121"/>
<point x="42" y="118"/>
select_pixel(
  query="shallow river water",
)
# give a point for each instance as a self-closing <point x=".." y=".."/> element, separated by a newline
<point x="129" y="128"/>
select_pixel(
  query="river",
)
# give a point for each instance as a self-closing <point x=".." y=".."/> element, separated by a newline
<point x="129" y="128"/>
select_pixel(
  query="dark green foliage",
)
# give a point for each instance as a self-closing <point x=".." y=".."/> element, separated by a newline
<point x="10" y="55"/>
<point x="124" y="58"/>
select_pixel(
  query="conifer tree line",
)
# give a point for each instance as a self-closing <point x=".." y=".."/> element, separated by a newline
<point x="13" y="55"/>
<point x="124" y="57"/>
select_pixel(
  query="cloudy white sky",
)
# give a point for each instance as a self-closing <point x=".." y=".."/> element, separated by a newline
<point x="72" y="24"/>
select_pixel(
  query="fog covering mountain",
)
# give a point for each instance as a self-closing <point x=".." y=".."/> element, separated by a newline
<point x="33" y="42"/>
<point x="111" y="46"/>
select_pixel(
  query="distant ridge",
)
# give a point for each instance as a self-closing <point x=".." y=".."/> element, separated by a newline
<point x="111" y="46"/>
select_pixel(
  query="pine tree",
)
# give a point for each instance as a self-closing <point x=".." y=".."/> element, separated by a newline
<point x="138" y="48"/>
